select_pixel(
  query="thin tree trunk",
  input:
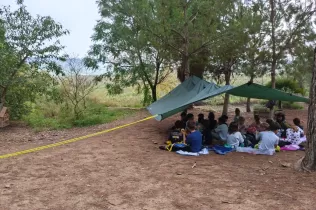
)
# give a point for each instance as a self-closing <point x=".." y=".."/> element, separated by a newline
<point x="248" y="109"/>
<point x="154" y="93"/>
<point x="3" y="96"/>
<point x="273" y="69"/>
<point x="273" y="73"/>
<point x="273" y="38"/>
<point x="226" y="100"/>
<point x="184" y="70"/>
<point x="309" y="161"/>
<point x="280" y="105"/>
<point x="185" y="65"/>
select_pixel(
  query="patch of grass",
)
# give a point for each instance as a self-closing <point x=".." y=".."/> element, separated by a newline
<point x="291" y="105"/>
<point x="41" y="117"/>
<point x="99" y="114"/>
<point x="260" y="108"/>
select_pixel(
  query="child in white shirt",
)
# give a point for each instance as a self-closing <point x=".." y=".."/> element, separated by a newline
<point x="234" y="138"/>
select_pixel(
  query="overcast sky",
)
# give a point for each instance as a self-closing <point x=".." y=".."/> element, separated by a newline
<point x="78" y="16"/>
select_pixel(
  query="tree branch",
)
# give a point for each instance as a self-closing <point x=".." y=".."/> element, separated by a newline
<point x="200" y="48"/>
<point x="166" y="42"/>
<point x="175" y="31"/>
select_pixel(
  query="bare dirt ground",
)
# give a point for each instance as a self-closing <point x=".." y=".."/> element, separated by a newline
<point x="124" y="169"/>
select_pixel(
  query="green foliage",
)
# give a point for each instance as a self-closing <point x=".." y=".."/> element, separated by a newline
<point x="292" y="105"/>
<point x="29" y="45"/>
<point x="28" y="86"/>
<point x="289" y="26"/>
<point x="260" y="108"/>
<point x="76" y="86"/>
<point x="122" y="43"/>
<point x="48" y="115"/>
<point x="253" y="62"/>
<point x="300" y="69"/>
<point x="288" y="85"/>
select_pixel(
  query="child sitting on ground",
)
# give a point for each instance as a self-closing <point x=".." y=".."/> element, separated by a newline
<point x="220" y="133"/>
<point x="194" y="139"/>
<point x="269" y="121"/>
<point x="297" y="122"/>
<point x="256" y="124"/>
<point x="268" y="140"/>
<point x="200" y="124"/>
<point x="225" y="117"/>
<point x="295" y="133"/>
<point x="237" y="115"/>
<point x="234" y="138"/>
<point x="241" y="125"/>
<point x="183" y="119"/>
<point x="189" y="118"/>
<point x="176" y="135"/>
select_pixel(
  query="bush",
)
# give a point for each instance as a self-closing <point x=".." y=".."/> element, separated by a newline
<point x="260" y="108"/>
<point x="49" y="116"/>
<point x="291" y="105"/>
<point x="288" y="85"/>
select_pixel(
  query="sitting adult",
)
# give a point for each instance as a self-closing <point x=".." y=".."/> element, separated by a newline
<point x="220" y="133"/>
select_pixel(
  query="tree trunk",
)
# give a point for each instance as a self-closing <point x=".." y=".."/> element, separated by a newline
<point x="226" y="100"/>
<point x="309" y="161"/>
<point x="280" y="105"/>
<point x="248" y="109"/>
<point x="154" y="93"/>
<point x="3" y="96"/>
<point x="273" y="38"/>
<point x="273" y="73"/>
<point x="185" y="68"/>
<point x="199" y="62"/>
<point x="226" y="103"/>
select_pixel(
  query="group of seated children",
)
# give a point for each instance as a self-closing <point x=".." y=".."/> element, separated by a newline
<point x="261" y="135"/>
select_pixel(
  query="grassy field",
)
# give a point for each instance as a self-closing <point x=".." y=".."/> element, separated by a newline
<point x="130" y="97"/>
<point x="104" y="108"/>
<point x="49" y="116"/>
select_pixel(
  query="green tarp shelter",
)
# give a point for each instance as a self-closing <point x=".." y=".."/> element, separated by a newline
<point x="195" y="89"/>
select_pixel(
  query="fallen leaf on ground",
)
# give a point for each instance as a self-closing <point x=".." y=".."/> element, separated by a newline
<point x="286" y="165"/>
<point x="194" y="165"/>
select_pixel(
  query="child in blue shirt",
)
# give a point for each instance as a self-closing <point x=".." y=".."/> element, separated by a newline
<point x="194" y="139"/>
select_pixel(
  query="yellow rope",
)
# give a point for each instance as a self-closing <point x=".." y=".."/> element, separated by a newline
<point x="71" y="140"/>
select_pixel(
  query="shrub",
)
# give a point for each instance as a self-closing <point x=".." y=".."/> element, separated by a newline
<point x="41" y="117"/>
<point x="291" y="105"/>
<point x="288" y="85"/>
